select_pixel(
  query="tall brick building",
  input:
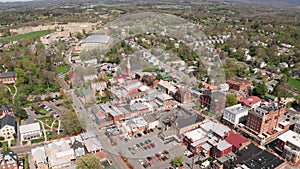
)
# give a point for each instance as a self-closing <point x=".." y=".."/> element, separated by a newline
<point x="265" y="118"/>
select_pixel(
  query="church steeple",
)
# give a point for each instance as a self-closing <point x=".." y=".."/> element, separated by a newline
<point x="128" y="66"/>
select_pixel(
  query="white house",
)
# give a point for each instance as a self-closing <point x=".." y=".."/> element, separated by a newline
<point x="30" y="131"/>
<point x="235" y="114"/>
<point x="7" y="127"/>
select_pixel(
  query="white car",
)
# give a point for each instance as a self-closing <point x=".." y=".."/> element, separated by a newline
<point x="141" y="161"/>
<point x="187" y="153"/>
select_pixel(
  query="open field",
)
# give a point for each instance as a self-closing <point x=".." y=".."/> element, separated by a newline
<point x="295" y="83"/>
<point x="26" y="35"/>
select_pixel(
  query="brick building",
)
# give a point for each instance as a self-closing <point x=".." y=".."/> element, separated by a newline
<point x="239" y="84"/>
<point x="183" y="95"/>
<point x="265" y="118"/>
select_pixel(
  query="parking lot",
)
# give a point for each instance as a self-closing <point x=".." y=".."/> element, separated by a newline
<point x="152" y="157"/>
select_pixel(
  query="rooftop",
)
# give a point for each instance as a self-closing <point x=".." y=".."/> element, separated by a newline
<point x="30" y="128"/>
<point x="236" y="140"/>
<point x="196" y="134"/>
<point x="265" y="109"/>
<point x="291" y="137"/>
<point x="8" y="120"/>
<point x="191" y="120"/>
<point x="7" y="75"/>
<point x="223" y="145"/>
<point x="250" y="101"/>
<point x="132" y="86"/>
<point x="217" y="128"/>
<point x="237" y="109"/>
<point x="238" y="81"/>
<point x="97" y="38"/>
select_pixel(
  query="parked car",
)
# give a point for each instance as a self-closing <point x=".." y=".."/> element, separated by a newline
<point x="152" y="145"/>
<point x="141" y="161"/>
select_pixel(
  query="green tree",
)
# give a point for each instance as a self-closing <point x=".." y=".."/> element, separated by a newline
<point x="70" y="123"/>
<point x="231" y="100"/>
<point x="178" y="160"/>
<point x="260" y="89"/>
<point x="88" y="162"/>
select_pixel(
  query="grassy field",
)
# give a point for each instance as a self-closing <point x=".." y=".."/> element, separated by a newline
<point x="62" y="69"/>
<point x="27" y="35"/>
<point x="295" y="83"/>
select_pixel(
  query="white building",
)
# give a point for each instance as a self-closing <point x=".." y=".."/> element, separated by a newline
<point x="235" y="114"/>
<point x="30" y="131"/>
<point x="7" y="127"/>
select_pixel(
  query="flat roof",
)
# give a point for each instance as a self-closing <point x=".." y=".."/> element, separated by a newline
<point x="30" y="128"/>
<point x="217" y="128"/>
<point x="97" y="38"/>
<point x="291" y="137"/>
<point x="237" y="109"/>
<point x="223" y="145"/>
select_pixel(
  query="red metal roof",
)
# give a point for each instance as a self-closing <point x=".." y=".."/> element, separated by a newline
<point x="236" y="139"/>
<point x="250" y="101"/>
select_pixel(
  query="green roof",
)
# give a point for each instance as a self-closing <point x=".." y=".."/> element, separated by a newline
<point x="165" y="75"/>
<point x="270" y="96"/>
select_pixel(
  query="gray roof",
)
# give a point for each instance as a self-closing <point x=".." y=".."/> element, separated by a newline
<point x="96" y="38"/>
<point x="7" y="74"/>
<point x="183" y="122"/>
<point x="86" y="92"/>
<point x="8" y="120"/>
<point x="6" y="107"/>
<point x="223" y="145"/>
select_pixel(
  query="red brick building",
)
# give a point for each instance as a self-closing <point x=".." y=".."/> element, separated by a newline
<point x="239" y="84"/>
<point x="265" y="118"/>
<point x="222" y="148"/>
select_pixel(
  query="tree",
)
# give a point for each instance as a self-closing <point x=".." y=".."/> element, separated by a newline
<point x="260" y="90"/>
<point x="231" y="100"/>
<point x="88" y="161"/>
<point x="70" y="123"/>
<point x="178" y="160"/>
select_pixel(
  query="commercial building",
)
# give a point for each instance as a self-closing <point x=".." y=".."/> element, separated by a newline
<point x="235" y="114"/>
<point x="289" y="144"/>
<point x="30" y="131"/>
<point x="265" y="118"/>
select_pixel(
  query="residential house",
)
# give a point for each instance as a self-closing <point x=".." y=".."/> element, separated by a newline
<point x="8" y="127"/>
<point x="10" y="160"/>
<point x="30" y="131"/>
<point x="8" y="77"/>
<point x="289" y="145"/>
<point x="235" y="114"/>
<point x="6" y="109"/>
<point x="217" y="129"/>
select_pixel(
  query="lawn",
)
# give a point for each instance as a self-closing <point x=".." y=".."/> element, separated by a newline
<point x="62" y="69"/>
<point x="27" y="35"/>
<point x="295" y="83"/>
<point x="47" y="120"/>
<point x="39" y="140"/>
